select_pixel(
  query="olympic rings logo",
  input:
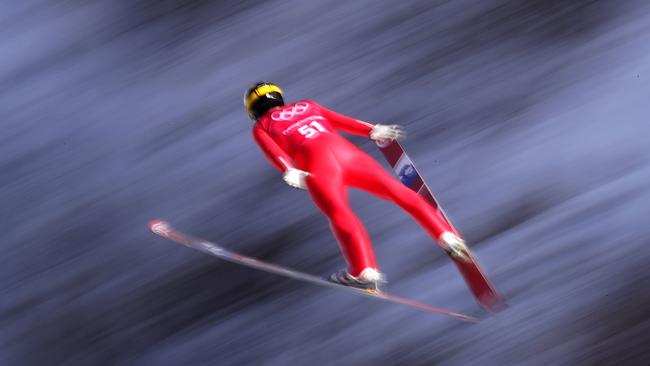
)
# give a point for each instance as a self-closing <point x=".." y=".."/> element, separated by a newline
<point x="288" y="114"/>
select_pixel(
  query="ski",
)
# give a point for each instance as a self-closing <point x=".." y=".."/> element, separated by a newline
<point x="165" y="230"/>
<point x="482" y="289"/>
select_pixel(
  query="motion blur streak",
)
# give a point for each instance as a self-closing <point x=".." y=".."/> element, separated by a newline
<point x="529" y="119"/>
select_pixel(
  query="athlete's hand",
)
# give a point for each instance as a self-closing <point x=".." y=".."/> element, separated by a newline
<point x="387" y="132"/>
<point x="295" y="178"/>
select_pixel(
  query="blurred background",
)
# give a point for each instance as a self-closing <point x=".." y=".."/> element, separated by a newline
<point x="528" y="119"/>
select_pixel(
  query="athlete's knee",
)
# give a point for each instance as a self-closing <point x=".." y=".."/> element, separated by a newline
<point x="334" y="207"/>
<point x="345" y="222"/>
<point x="404" y="197"/>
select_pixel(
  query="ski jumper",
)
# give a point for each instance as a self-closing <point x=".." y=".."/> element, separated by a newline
<point x="303" y="135"/>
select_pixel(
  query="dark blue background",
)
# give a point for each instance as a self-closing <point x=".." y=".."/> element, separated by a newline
<point x="529" y="119"/>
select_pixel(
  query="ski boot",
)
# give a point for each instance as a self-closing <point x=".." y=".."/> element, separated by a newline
<point x="369" y="279"/>
<point x="455" y="246"/>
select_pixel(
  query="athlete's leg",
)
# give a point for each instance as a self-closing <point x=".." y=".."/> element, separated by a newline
<point x="330" y="195"/>
<point x="365" y="173"/>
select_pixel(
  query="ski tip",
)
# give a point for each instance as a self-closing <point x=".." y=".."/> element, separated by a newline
<point x="160" y="227"/>
<point x="153" y="223"/>
<point x="496" y="306"/>
<point x="468" y="318"/>
<point x="459" y="316"/>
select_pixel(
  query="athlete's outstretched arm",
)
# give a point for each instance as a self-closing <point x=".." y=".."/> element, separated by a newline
<point x="346" y="124"/>
<point x="358" y="127"/>
<point x="271" y="150"/>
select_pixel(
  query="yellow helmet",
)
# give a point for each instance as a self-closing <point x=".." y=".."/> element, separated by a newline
<point x="260" y="97"/>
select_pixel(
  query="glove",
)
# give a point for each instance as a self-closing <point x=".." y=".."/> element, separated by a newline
<point x="295" y="178"/>
<point x="387" y="132"/>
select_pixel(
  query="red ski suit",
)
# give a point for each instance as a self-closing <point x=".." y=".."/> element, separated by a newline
<point x="303" y="135"/>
